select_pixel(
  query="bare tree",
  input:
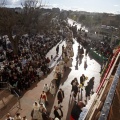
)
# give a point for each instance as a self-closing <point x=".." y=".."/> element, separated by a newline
<point x="16" y="24"/>
<point x="32" y="4"/>
<point x="11" y="24"/>
<point x="2" y="3"/>
<point x="28" y="21"/>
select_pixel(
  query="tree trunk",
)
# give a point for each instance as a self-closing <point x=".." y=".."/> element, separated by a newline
<point x="15" y="47"/>
<point x="14" y="43"/>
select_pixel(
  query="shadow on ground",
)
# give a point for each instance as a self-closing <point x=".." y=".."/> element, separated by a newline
<point x="67" y="72"/>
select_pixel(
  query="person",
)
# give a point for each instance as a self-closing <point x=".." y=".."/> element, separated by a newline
<point x="57" y="49"/>
<point x="43" y="68"/>
<point x="85" y="64"/>
<point x="18" y="117"/>
<point x="43" y="97"/>
<point x="42" y="106"/>
<point x="69" y="62"/>
<point x="57" y="119"/>
<point x="47" y="61"/>
<point x="36" y="112"/>
<point x="57" y="74"/>
<point x="45" y="114"/>
<point x="24" y="118"/>
<point x="63" y="48"/>
<point x="74" y="82"/>
<point x="58" y="79"/>
<point x="91" y="84"/>
<point x="60" y="96"/>
<point x="76" y="110"/>
<point x="62" y="67"/>
<point x="52" y="89"/>
<point x="82" y="79"/>
<point x="57" y="68"/>
<point x="58" y="113"/>
<point x="46" y="88"/>
<point x="81" y="51"/>
<point x="39" y="73"/>
<point x="51" y="57"/>
<point x="66" y="59"/>
<point x="87" y="51"/>
<point x="8" y="117"/>
<point x="64" y="54"/>
<point x="87" y="90"/>
<point x="75" y="90"/>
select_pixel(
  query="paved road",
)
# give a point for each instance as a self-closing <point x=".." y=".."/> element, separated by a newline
<point x="33" y="94"/>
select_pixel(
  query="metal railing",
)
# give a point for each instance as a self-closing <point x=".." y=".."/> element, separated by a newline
<point x="109" y="99"/>
<point x="3" y="85"/>
<point x="8" y="86"/>
<point x="89" y="110"/>
<point x="18" y="99"/>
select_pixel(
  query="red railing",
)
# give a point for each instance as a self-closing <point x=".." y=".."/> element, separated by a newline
<point x="108" y="70"/>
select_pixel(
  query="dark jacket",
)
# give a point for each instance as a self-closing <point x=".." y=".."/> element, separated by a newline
<point x="45" y="116"/>
<point x="87" y="89"/>
<point x="75" y="89"/>
<point x="57" y="114"/>
<point x="57" y="48"/>
<point x="82" y="79"/>
<point x="76" y="111"/>
<point x="91" y="83"/>
<point x="60" y="95"/>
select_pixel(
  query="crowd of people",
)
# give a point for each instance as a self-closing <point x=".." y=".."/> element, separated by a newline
<point x="77" y="88"/>
<point x="40" y="112"/>
<point x="102" y="46"/>
<point x="22" y="70"/>
<point x="17" y="117"/>
<point x="54" y="85"/>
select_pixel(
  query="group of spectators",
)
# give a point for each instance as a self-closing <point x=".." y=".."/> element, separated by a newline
<point x="103" y="47"/>
<point x="21" y="70"/>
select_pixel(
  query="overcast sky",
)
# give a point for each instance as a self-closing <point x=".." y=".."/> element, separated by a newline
<point x="109" y="6"/>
